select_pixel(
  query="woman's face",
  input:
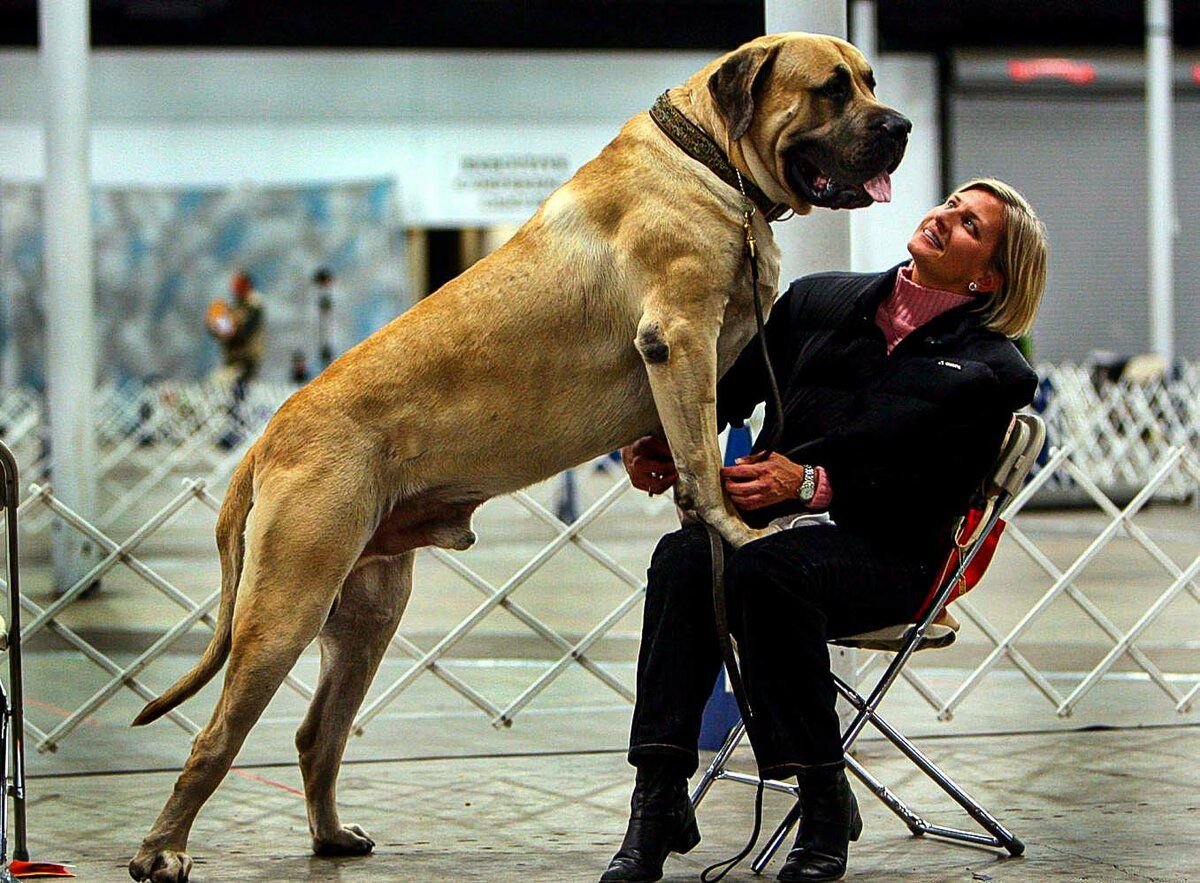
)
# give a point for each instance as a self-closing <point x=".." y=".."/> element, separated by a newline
<point x="954" y="243"/>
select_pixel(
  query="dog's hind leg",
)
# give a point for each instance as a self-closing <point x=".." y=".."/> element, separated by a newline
<point x="295" y="564"/>
<point x="353" y="642"/>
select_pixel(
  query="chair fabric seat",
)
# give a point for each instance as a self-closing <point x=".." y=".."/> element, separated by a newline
<point x="891" y="638"/>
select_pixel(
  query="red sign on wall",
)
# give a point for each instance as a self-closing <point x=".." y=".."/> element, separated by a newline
<point x="1079" y="73"/>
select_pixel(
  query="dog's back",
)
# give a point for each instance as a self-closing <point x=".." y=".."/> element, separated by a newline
<point x="521" y="367"/>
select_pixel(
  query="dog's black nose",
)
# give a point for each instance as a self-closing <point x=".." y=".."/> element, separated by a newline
<point x="894" y="125"/>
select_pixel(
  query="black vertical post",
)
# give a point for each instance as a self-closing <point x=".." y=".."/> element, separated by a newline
<point x="17" y="703"/>
<point x="945" y="120"/>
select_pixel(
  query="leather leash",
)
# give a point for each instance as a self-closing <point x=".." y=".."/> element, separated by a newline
<point x="720" y="610"/>
<point x="697" y="144"/>
<point x="718" y="870"/>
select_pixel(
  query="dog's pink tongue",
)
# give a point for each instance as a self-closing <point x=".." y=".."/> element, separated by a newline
<point x="880" y="187"/>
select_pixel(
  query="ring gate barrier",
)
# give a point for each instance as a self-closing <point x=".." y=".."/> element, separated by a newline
<point x="1119" y="431"/>
<point x="1175" y="470"/>
<point x="1006" y="644"/>
<point x="1178" y="464"/>
<point x="150" y="433"/>
<point x="146" y="436"/>
<point x="122" y="554"/>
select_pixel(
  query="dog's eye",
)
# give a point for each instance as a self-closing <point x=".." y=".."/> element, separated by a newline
<point x="837" y="87"/>
<point x="835" y="90"/>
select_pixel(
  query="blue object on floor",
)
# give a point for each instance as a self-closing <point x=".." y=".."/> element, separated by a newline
<point x="720" y="715"/>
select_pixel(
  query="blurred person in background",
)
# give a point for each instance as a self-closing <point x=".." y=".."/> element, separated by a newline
<point x="238" y="328"/>
<point x="897" y="390"/>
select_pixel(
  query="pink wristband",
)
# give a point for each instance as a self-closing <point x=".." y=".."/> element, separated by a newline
<point x="823" y="495"/>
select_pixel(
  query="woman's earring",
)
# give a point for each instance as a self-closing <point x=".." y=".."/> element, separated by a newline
<point x="973" y="287"/>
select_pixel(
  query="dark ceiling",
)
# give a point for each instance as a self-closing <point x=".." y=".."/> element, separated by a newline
<point x="926" y="25"/>
<point x="931" y="25"/>
<point x="449" y="24"/>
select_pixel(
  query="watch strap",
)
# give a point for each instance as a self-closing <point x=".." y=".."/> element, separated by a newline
<point x="808" y="486"/>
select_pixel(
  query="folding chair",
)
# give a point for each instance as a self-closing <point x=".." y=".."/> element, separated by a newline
<point x="975" y="539"/>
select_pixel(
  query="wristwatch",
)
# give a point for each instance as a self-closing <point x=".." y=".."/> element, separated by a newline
<point x="808" y="487"/>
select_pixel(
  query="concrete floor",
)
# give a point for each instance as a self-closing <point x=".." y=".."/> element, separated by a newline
<point x="1094" y="806"/>
<point x="1108" y="794"/>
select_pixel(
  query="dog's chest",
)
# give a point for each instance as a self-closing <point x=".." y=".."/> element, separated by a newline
<point x="739" y="324"/>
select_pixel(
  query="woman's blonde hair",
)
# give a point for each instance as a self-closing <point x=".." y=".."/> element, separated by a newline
<point x="1020" y="258"/>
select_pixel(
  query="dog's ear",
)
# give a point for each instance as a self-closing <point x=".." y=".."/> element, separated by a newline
<point x="732" y="87"/>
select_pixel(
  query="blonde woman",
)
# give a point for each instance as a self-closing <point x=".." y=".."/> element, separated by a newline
<point x="897" y="389"/>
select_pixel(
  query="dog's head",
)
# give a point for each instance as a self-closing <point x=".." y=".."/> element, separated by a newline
<point x="800" y="110"/>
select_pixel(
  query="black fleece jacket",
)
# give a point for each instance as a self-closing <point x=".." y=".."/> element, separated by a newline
<point x="905" y="438"/>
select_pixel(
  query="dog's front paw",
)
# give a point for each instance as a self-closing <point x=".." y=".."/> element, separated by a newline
<point x="738" y="534"/>
<point x="161" y="866"/>
<point x="350" y="840"/>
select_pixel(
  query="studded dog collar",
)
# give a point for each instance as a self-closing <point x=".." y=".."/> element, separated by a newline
<point x="696" y="143"/>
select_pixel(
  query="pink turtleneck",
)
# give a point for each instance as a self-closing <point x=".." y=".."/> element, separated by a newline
<point x="910" y="306"/>
<point x="907" y="308"/>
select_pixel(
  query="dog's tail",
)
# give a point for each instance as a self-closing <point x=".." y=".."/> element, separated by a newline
<point x="231" y="530"/>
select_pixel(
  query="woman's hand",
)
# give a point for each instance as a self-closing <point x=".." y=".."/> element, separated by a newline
<point x="762" y="479"/>
<point x="650" y="465"/>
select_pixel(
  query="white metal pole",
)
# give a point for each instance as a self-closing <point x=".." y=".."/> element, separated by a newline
<point x="1160" y="192"/>
<point x="815" y="16"/>
<point x="70" y="357"/>
<point x="864" y="30"/>
<point x="864" y="35"/>
<point x="821" y="240"/>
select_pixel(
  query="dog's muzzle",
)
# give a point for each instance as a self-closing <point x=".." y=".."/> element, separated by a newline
<point x="856" y="181"/>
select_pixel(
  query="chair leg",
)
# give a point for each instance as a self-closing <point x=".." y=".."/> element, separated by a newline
<point x="1000" y="836"/>
<point x="716" y="769"/>
<point x="915" y="823"/>
<point x="776" y="839"/>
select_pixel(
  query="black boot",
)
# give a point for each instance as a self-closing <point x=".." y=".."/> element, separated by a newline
<point x="829" y="821"/>
<point x="661" y="821"/>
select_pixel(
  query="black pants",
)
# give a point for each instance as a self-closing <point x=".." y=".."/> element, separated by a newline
<point x="787" y="594"/>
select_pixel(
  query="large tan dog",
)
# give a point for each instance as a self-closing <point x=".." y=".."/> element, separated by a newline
<point x="608" y="316"/>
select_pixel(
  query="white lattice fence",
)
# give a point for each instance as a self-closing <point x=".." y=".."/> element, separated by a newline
<point x="147" y="438"/>
<point x="1162" y="581"/>
<point x="1119" y="432"/>
<point x="1146" y="435"/>
<point x="197" y="611"/>
<point x="500" y="597"/>
<point x="118" y="554"/>
<point x="1004" y="645"/>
